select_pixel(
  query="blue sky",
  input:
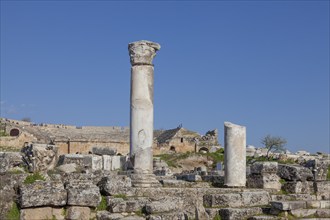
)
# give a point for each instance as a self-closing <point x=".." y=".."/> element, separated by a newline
<point x="262" y="64"/>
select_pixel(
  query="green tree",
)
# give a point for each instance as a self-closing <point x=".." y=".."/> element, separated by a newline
<point x="273" y="143"/>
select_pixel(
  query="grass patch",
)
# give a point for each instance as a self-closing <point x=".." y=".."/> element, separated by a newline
<point x="13" y="213"/>
<point x="123" y="196"/>
<point x="103" y="204"/>
<point x="9" y="149"/>
<point x="328" y="173"/>
<point x="33" y="177"/>
<point x="282" y="181"/>
<point x="217" y="217"/>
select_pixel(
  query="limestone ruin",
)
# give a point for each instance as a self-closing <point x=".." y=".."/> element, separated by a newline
<point x="56" y="179"/>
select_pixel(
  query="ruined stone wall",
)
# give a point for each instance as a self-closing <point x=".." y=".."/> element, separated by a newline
<point x="85" y="147"/>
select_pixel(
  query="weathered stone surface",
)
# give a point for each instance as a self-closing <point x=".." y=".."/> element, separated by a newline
<point x="303" y="197"/>
<point x="323" y="190"/>
<point x="160" y="167"/>
<point x="9" y="160"/>
<point x="216" y="180"/>
<point x="78" y="213"/>
<point x="239" y="213"/>
<point x="264" y="181"/>
<point x="168" y="216"/>
<point x="294" y="172"/>
<point x="105" y="215"/>
<point x="322" y="204"/>
<point x="8" y="185"/>
<point x="42" y="193"/>
<point x="4" y="163"/>
<point x="42" y="213"/>
<point x="83" y="194"/>
<point x="235" y="155"/>
<point x="298" y="187"/>
<point x="130" y="204"/>
<point x="111" y="185"/>
<point x="255" y="198"/>
<point x="40" y="157"/>
<point x="319" y="167"/>
<point x="264" y="167"/>
<point x="288" y="205"/>
<point x="191" y="177"/>
<point x="223" y="200"/>
<point x="264" y="217"/>
<point x="98" y="150"/>
<point x="166" y="204"/>
<point x="107" y="162"/>
<point x="74" y="158"/>
<point x="235" y="200"/>
<point x="67" y="168"/>
<point x="97" y="163"/>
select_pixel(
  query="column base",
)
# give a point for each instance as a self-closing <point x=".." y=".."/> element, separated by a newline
<point x="144" y="180"/>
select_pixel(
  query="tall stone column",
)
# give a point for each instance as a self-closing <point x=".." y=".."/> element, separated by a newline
<point x="142" y="112"/>
<point x="235" y="155"/>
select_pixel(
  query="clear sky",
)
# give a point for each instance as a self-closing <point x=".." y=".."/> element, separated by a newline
<point x="262" y="64"/>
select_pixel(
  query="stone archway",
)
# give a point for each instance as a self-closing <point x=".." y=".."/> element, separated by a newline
<point x="203" y="150"/>
<point x="172" y="148"/>
<point x="14" y="132"/>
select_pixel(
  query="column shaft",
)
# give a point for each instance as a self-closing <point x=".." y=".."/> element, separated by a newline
<point x="235" y="155"/>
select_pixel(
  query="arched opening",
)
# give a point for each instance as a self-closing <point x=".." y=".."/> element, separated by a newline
<point x="172" y="148"/>
<point x="181" y="140"/>
<point x="203" y="150"/>
<point x="14" y="132"/>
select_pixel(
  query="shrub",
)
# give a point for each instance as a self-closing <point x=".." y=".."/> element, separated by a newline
<point x="328" y="174"/>
<point x="103" y="204"/>
<point x="33" y="177"/>
<point x="13" y="213"/>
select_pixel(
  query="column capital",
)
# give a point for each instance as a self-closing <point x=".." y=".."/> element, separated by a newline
<point x="142" y="52"/>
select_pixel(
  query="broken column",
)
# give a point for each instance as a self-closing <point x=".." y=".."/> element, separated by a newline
<point x="235" y="155"/>
<point x="142" y="111"/>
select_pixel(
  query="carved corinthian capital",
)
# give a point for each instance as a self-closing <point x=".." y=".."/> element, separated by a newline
<point x="142" y="52"/>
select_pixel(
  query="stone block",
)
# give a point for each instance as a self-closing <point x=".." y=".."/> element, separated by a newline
<point x="83" y="194"/>
<point x="97" y="163"/>
<point x="67" y="168"/>
<point x="42" y="193"/>
<point x="320" y="167"/>
<point x="323" y="190"/>
<point x="78" y="213"/>
<point x="107" y="162"/>
<point x="72" y="158"/>
<point x="223" y="200"/>
<point x="110" y="185"/>
<point x="255" y="198"/>
<point x="239" y="213"/>
<point x="168" y="216"/>
<point x="42" y="213"/>
<point x="298" y="187"/>
<point x="304" y="197"/>
<point x="40" y="157"/>
<point x="159" y="207"/>
<point x="294" y="172"/>
<point x="288" y="205"/>
<point x="116" y="163"/>
<point x="175" y="183"/>
<point x="104" y="150"/>
<point x="36" y="213"/>
<point x="216" y="180"/>
<point x="105" y="215"/>
<point x="235" y="200"/>
<point x="131" y="204"/>
<point x="264" y="167"/>
<point x="264" y="181"/>
<point x="301" y="213"/>
<point x="322" y="204"/>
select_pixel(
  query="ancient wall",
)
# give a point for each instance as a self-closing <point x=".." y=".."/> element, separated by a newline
<point x="83" y="147"/>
